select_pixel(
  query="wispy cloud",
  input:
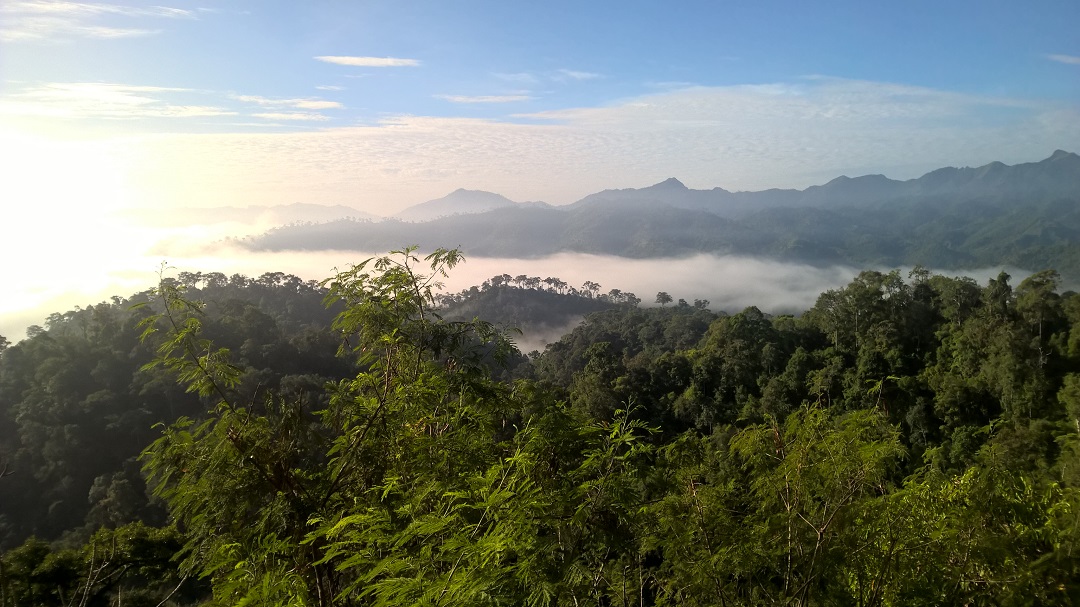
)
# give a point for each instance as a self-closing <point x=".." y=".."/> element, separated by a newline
<point x="45" y="20"/>
<point x="559" y="76"/>
<point x="56" y="29"/>
<point x="316" y="104"/>
<point x="92" y="8"/>
<point x="483" y="98"/>
<point x="297" y="116"/>
<point x="565" y="74"/>
<point x="300" y="104"/>
<point x="668" y="85"/>
<point x="102" y="100"/>
<point x="329" y="87"/>
<point x="517" y="77"/>
<point x="369" y="61"/>
<point x="1069" y="59"/>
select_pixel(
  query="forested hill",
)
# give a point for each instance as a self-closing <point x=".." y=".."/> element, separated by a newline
<point x="1025" y="216"/>
<point x="77" y="407"/>
<point x="906" y="441"/>
<point x="535" y="310"/>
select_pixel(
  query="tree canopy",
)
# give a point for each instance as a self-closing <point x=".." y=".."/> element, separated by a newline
<point x="906" y="441"/>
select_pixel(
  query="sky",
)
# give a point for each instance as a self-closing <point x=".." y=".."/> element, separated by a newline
<point x="379" y="105"/>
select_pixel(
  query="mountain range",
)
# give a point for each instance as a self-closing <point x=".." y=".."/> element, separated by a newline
<point x="1025" y="215"/>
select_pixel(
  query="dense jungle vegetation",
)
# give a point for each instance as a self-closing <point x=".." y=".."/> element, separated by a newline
<point x="369" y="441"/>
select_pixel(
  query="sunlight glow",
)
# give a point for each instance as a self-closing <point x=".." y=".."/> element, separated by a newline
<point x="58" y="196"/>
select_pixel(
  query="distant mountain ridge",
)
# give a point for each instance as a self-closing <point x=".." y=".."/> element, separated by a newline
<point x="1025" y="216"/>
<point x="458" y="202"/>
<point x="1057" y="175"/>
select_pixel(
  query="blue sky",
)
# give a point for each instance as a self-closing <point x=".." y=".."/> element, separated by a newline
<point x="379" y="105"/>
<point x="499" y="60"/>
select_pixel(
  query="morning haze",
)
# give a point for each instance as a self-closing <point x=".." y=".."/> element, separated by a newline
<point x="773" y="248"/>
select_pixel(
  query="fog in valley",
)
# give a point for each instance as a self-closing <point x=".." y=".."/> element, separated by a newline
<point x="127" y="257"/>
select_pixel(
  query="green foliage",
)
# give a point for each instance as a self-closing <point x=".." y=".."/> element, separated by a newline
<point x="193" y="360"/>
<point x="255" y="486"/>
<point x="808" y="481"/>
<point x="78" y="403"/>
<point x="131" y="565"/>
<point x="902" y="443"/>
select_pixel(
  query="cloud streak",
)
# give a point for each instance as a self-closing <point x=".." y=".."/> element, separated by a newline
<point x="517" y="77"/>
<point x="93" y="8"/>
<point x="300" y="104"/>
<point x="102" y="100"/>
<point x="483" y="98"/>
<point x="576" y="75"/>
<point x="295" y="116"/>
<point x="41" y="20"/>
<point x="369" y="61"/>
<point x="1067" y="59"/>
<point x="561" y="76"/>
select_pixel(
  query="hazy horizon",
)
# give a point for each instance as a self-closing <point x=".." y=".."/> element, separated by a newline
<point x="730" y="283"/>
<point x="389" y="214"/>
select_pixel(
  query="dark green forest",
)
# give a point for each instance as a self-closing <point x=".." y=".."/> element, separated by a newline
<point x="371" y="440"/>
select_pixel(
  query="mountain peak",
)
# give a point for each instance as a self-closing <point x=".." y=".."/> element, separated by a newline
<point x="458" y="202"/>
<point x="464" y="192"/>
<point x="670" y="183"/>
<point x="1061" y="154"/>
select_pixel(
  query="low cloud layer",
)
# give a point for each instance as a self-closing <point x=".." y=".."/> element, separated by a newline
<point x="121" y="259"/>
<point x="729" y="283"/>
